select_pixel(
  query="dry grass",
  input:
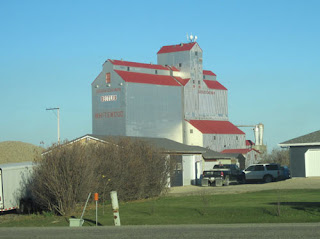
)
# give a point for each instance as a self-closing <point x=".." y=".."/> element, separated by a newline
<point x="16" y="151"/>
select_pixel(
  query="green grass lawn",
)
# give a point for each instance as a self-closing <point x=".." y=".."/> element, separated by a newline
<point x="276" y="206"/>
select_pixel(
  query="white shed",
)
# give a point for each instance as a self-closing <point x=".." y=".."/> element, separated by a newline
<point x="304" y="155"/>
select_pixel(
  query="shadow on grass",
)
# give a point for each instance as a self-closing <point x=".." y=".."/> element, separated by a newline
<point x="309" y="207"/>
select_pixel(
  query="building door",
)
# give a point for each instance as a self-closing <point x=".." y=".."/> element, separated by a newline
<point x="312" y="163"/>
<point x="176" y="178"/>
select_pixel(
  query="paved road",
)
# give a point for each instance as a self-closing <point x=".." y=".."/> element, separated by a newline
<point x="261" y="231"/>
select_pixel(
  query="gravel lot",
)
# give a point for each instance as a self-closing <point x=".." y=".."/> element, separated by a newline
<point x="294" y="183"/>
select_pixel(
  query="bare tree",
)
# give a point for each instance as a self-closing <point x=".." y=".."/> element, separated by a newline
<point x="280" y="156"/>
<point x="67" y="173"/>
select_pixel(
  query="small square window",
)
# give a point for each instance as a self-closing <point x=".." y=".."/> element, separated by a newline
<point x="196" y="53"/>
<point x="156" y="72"/>
<point x="128" y="68"/>
<point x="180" y="64"/>
<point x="193" y="81"/>
<point x="191" y="131"/>
<point x="204" y="76"/>
<point x="237" y="138"/>
<point x="199" y="82"/>
<point x="214" y="138"/>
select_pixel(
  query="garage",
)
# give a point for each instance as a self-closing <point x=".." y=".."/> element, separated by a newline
<point x="312" y="163"/>
<point x="304" y="155"/>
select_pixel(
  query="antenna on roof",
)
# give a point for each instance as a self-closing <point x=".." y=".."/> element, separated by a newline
<point x="191" y="38"/>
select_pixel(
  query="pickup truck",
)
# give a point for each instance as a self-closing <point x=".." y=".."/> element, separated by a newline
<point x="231" y="172"/>
<point x="263" y="172"/>
<point x="214" y="177"/>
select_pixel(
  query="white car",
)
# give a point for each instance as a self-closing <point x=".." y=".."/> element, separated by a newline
<point x="264" y="172"/>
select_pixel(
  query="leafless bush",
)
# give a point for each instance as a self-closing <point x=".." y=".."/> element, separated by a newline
<point x="280" y="156"/>
<point x="67" y="173"/>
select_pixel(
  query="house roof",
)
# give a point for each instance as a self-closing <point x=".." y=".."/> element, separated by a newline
<point x="210" y="73"/>
<point x="213" y="84"/>
<point x="135" y="77"/>
<point x="136" y="64"/>
<point x="249" y="143"/>
<point x="210" y="154"/>
<point x="167" y="145"/>
<point x="237" y="151"/>
<point x="308" y="139"/>
<point x="182" y="81"/>
<point x="215" y="127"/>
<point x="176" y="48"/>
<point x="164" y="145"/>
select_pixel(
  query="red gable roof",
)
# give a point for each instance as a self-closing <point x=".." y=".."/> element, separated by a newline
<point x="135" y="77"/>
<point x="240" y="151"/>
<point x="210" y="73"/>
<point x="215" y="127"/>
<point x="173" y="68"/>
<point x="249" y="143"/>
<point x="213" y="84"/>
<point x="136" y="64"/>
<point x="176" y="48"/>
<point x="182" y="81"/>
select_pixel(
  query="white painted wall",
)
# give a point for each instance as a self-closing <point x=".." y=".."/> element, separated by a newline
<point x="312" y="163"/>
<point x="192" y="136"/>
<point x="192" y="169"/>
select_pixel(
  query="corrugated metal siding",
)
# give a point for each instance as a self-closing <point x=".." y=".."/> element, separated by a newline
<point x="108" y="104"/>
<point x="154" y="111"/>
<point x="220" y="142"/>
<point x="213" y="104"/>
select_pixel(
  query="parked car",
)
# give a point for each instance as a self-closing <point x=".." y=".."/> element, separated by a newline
<point x="284" y="173"/>
<point x="234" y="173"/>
<point x="263" y="172"/>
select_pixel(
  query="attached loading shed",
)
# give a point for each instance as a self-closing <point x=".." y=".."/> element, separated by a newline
<point x="304" y="155"/>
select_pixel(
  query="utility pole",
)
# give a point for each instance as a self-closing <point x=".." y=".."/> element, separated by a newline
<point x="58" y="115"/>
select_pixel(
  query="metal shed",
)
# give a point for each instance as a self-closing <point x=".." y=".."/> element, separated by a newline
<point x="304" y="155"/>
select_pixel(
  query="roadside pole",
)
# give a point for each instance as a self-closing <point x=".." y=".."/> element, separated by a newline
<point x="96" y="198"/>
<point x="115" y="208"/>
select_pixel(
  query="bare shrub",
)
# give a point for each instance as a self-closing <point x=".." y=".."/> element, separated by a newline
<point x="135" y="169"/>
<point x="280" y="156"/>
<point x="63" y="177"/>
<point x="67" y="173"/>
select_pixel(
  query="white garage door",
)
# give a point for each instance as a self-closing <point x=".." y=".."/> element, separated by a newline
<point x="312" y="163"/>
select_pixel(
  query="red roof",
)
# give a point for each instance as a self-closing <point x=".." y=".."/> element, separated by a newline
<point x="182" y="81"/>
<point x="249" y="143"/>
<point x="135" y="77"/>
<point x="136" y="64"/>
<point x="235" y="151"/>
<point x="213" y="84"/>
<point x="173" y="68"/>
<point x="176" y="48"/>
<point x="210" y="73"/>
<point x="215" y="127"/>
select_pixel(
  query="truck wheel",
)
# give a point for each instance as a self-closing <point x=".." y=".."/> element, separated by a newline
<point x="268" y="178"/>
<point x="226" y="182"/>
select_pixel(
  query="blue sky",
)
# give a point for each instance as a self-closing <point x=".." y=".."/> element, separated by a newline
<point x="265" y="52"/>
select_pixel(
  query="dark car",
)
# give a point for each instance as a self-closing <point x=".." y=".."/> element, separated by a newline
<point x="284" y="173"/>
